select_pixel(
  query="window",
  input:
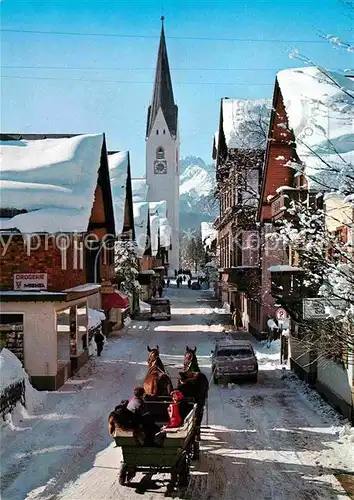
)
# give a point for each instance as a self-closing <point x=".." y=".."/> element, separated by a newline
<point x="160" y="154"/>
<point x="164" y="131"/>
<point x="157" y="132"/>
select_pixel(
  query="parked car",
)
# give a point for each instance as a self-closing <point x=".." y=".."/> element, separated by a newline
<point x="195" y="285"/>
<point x="160" y="309"/>
<point x="234" y="360"/>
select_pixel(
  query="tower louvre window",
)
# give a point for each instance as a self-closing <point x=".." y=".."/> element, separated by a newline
<point x="160" y="154"/>
<point x="157" y="132"/>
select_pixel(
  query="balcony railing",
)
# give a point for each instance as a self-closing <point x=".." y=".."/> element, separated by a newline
<point x="281" y="202"/>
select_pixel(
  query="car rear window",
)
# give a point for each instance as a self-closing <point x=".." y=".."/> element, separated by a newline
<point x="237" y="353"/>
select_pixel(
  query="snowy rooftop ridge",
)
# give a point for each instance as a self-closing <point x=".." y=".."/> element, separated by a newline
<point x="239" y="116"/>
<point x="320" y="111"/>
<point x="141" y="217"/>
<point x="158" y="208"/>
<point x="139" y="189"/>
<point x="118" y="172"/>
<point x="53" y="179"/>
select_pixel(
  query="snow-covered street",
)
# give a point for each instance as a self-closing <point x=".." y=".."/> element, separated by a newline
<point x="271" y="440"/>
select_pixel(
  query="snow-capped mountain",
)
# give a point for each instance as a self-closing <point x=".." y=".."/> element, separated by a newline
<point x="196" y="177"/>
<point x="197" y="202"/>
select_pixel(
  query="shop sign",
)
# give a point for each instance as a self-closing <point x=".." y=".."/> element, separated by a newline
<point x="106" y="287"/>
<point x="30" y="281"/>
<point x="316" y="308"/>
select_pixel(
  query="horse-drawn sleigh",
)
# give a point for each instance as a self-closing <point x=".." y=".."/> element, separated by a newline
<point x="181" y="444"/>
<point x="179" y="448"/>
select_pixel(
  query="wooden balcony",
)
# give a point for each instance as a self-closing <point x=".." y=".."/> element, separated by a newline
<point x="281" y="202"/>
<point x="243" y="278"/>
<point x="289" y="288"/>
<point x="290" y="283"/>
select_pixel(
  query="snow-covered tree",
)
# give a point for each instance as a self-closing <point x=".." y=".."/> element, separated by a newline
<point x="321" y="236"/>
<point x="193" y="254"/>
<point x="127" y="266"/>
<point x="327" y="260"/>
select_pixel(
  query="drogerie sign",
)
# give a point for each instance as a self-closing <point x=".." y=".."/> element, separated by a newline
<point x="30" y="281"/>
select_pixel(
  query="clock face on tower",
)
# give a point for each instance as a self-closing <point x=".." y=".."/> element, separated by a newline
<point x="160" y="167"/>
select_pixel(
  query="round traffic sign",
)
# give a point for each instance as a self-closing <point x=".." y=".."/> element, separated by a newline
<point x="280" y="313"/>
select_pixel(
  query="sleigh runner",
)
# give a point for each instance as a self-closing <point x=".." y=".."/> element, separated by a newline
<point x="173" y="456"/>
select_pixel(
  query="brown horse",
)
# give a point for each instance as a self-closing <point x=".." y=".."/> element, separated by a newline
<point x="193" y="383"/>
<point x="157" y="382"/>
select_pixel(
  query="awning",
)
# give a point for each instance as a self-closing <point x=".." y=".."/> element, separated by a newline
<point x="116" y="299"/>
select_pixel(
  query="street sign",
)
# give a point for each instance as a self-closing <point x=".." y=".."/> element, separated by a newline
<point x="317" y="308"/>
<point x="280" y="314"/>
<point x="30" y="281"/>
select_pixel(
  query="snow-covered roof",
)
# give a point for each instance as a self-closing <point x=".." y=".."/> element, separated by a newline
<point x="158" y="208"/>
<point x="53" y="179"/>
<point x="95" y="317"/>
<point x="165" y="233"/>
<point x="320" y="111"/>
<point x="118" y="172"/>
<point x="216" y="140"/>
<point x="241" y="122"/>
<point x="209" y="234"/>
<point x="284" y="268"/>
<point x="140" y="189"/>
<point x="154" y="233"/>
<point x="141" y="215"/>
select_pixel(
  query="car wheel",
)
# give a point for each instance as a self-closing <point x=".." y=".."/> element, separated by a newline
<point x="254" y="378"/>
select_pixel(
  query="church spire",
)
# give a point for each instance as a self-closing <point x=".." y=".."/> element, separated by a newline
<point x="163" y="94"/>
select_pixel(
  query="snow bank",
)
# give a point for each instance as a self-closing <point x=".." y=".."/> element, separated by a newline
<point x="53" y="179"/>
<point x="144" y="306"/>
<point x="95" y="317"/>
<point x="239" y="116"/>
<point x="118" y="172"/>
<point x="318" y="404"/>
<point x="319" y="106"/>
<point x="12" y="372"/>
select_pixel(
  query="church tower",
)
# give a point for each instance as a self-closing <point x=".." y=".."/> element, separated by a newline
<point x="162" y="148"/>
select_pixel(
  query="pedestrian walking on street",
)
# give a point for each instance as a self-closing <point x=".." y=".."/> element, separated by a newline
<point x="160" y="290"/>
<point x="99" y="339"/>
<point x="189" y="283"/>
<point x="237" y="319"/>
<point x="168" y="282"/>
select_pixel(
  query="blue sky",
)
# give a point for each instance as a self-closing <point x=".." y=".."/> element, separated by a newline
<point x="46" y="97"/>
